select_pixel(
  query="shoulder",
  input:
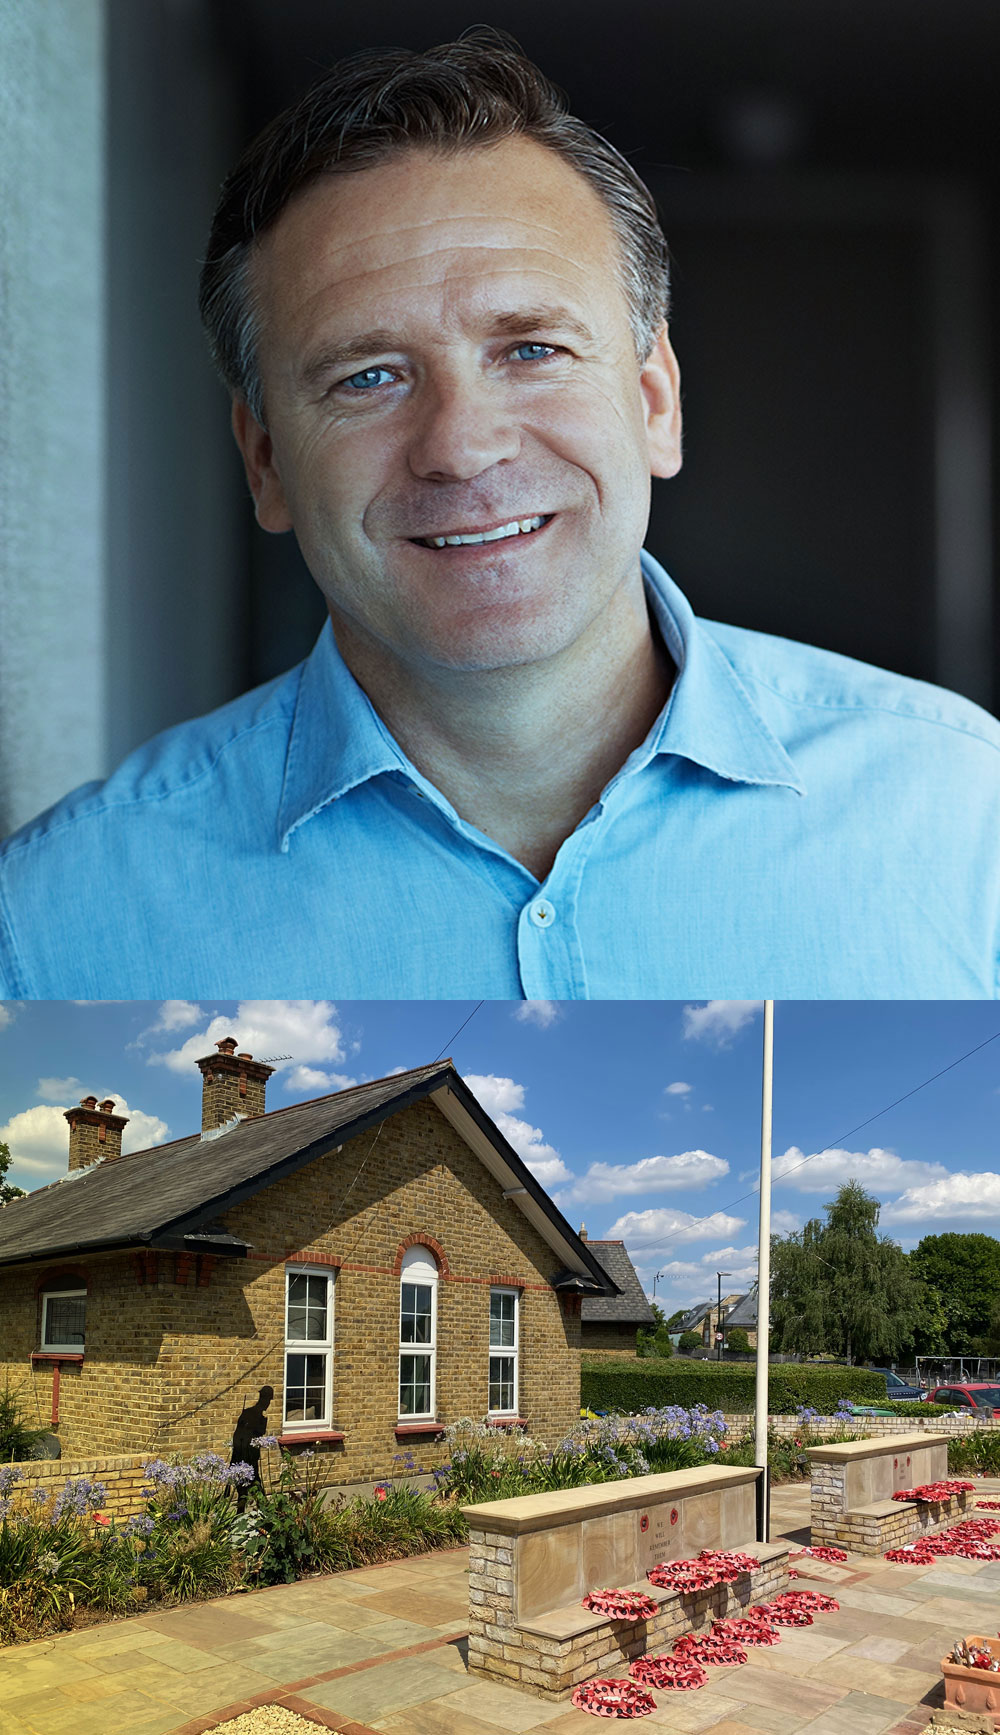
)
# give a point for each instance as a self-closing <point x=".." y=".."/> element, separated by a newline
<point x="183" y="762"/>
<point x="803" y="685"/>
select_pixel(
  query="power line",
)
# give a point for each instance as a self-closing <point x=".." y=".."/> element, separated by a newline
<point x="458" y="1032"/>
<point x="838" y="1141"/>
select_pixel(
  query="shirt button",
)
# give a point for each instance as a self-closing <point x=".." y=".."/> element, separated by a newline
<point x="542" y="913"/>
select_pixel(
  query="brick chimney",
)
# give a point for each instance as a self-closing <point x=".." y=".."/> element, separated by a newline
<point x="233" y="1084"/>
<point x="94" y="1131"/>
<point x="583" y="1231"/>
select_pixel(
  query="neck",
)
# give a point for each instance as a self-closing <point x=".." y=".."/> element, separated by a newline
<point x="522" y="753"/>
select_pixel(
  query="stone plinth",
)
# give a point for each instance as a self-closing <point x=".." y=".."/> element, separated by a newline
<point x="852" y="1487"/>
<point x="532" y="1561"/>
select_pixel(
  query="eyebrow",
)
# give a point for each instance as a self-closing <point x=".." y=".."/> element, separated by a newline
<point x="517" y="323"/>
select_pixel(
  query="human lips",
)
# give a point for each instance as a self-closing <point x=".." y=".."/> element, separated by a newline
<point x="473" y="538"/>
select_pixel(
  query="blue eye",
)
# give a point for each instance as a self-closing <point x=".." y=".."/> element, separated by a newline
<point x="368" y="378"/>
<point x="538" y="351"/>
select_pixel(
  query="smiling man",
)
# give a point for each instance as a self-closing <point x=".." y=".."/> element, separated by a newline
<point x="515" y="763"/>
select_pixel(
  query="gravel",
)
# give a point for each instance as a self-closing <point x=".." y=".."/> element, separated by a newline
<point x="267" y="1720"/>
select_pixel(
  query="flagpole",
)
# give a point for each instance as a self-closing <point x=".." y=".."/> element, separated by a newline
<point x="764" y="1277"/>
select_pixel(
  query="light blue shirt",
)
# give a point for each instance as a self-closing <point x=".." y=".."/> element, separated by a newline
<point x="795" y="825"/>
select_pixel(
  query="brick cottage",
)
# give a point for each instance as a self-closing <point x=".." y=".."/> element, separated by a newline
<point x="365" y="1268"/>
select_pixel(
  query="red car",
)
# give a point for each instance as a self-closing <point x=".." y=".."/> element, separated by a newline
<point x="973" y="1395"/>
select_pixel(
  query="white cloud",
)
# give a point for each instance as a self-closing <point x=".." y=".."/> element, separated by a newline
<point x="310" y="1078"/>
<point x="785" y="1222"/>
<point x="830" y="1169"/>
<point x="678" y="1089"/>
<point x="39" y="1136"/>
<point x="656" y="1228"/>
<point x="718" y="1021"/>
<point x="540" y="1012"/>
<point x="6" y="1015"/>
<point x="57" y="1089"/>
<point x="304" y="1030"/>
<point x="499" y="1096"/>
<point x="648" y="1175"/>
<point x="968" y="1197"/>
<point x="178" y="1015"/>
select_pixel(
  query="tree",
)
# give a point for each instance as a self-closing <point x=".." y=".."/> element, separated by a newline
<point x="840" y="1287"/>
<point x="688" y="1341"/>
<point x="675" y="1318"/>
<point x="963" y="1271"/>
<point x="738" y="1340"/>
<point x="7" y="1188"/>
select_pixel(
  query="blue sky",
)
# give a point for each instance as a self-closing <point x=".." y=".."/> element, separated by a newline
<point x="641" y="1118"/>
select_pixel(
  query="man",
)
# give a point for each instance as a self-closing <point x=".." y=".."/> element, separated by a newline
<point x="514" y="764"/>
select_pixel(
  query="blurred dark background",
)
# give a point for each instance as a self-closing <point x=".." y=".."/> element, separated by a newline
<point x="828" y="175"/>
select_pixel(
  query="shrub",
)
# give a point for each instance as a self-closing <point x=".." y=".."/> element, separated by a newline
<point x="975" y="1454"/>
<point x="688" y="1341"/>
<point x="628" y="1387"/>
<point x="17" y="1438"/>
<point x="738" y="1341"/>
<point x="600" y="1449"/>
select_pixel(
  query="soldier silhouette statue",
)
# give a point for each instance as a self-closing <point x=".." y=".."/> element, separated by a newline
<point x="250" y="1425"/>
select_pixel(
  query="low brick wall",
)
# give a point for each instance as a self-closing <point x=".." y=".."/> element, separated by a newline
<point x="531" y="1561"/>
<point x="124" y="1479"/>
<point x="789" y="1427"/>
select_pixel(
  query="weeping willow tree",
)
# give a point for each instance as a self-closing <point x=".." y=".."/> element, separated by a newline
<point x="840" y="1288"/>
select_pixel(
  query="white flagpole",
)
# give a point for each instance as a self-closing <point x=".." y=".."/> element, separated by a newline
<point x="764" y="1268"/>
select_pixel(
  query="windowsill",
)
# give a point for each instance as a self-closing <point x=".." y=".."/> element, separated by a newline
<point x="307" y="1435"/>
<point x="506" y="1421"/>
<point x="414" y="1430"/>
<point x="67" y="1355"/>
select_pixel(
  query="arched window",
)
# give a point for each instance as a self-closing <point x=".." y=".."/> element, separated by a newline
<point x="417" y="1333"/>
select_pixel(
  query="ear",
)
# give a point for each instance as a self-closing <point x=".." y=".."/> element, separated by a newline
<point x="660" y="383"/>
<point x="262" y="473"/>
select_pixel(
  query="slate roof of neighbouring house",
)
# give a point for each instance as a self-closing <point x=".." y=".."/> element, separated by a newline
<point x="630" y="1307"/>
<point x="173" y="1194"/>
<point x="744" y="1311"/>
<point x="693" y="1317"/>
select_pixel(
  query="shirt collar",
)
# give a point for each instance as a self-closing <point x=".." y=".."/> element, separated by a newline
<point x="338" y="740"/>
<point x="710" y="717"/>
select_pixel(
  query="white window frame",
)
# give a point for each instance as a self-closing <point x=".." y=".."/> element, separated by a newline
<point x="508" y="1351"/>
<point x="419" y="1269"/>
<point x="76" y="1293"/>
<point x="310" y="1346"/>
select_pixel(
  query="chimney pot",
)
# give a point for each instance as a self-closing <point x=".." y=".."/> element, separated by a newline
<point x="108" y="1105"/>
<point x="88" y="1102"/>
<point x="227" y="1045"/>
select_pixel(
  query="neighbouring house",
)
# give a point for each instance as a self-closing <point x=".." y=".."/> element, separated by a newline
<point x="611" y="1321"/>
<point x="694" y="1319"/>
<point x="358" y="1270"/>
<point x="704" y="1317"/>
<point x="744" y="1313"/>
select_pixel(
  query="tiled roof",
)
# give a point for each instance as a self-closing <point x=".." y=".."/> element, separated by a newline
<point x="173" y="1194"/>
<point x="628" y="1308"/>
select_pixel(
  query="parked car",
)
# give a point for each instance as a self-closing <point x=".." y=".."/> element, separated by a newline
<point x="973" y="1395"/>
<point x="897" y="1388"/>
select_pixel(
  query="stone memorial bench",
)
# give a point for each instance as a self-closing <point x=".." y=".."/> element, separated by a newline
<point x="851" y="1489"/>
<point x="532" y="1561"/>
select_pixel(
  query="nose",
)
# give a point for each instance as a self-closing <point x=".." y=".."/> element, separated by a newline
<point x="461" y="428"/>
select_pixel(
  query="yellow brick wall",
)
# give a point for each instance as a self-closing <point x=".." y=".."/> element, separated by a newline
<point x="169" y="1364"/>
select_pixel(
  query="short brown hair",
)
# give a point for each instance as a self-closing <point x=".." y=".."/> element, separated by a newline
<point x="372" y="106"/>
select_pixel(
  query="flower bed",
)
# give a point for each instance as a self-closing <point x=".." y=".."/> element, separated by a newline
<point x="61" y="1555"/>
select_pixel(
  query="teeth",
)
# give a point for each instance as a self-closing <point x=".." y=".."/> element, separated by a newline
<point x="517" y="527"/>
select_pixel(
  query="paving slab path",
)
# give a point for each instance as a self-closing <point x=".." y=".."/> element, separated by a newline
<point x="383" y="1649"/>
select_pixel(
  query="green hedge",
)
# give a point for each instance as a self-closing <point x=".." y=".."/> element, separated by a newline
<point x="629" y="1386"/>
